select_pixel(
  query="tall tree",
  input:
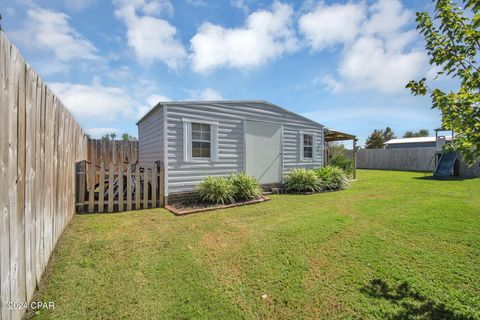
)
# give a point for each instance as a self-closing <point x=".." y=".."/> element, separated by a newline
<point x="388" y="134"/>
<point x="415" y="134"/>
<point x="375" y="140"/>
<point x="453" y="42"/>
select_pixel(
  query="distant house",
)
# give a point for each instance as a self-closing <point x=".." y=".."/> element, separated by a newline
<point x="419" y="142"/>
<point x="416" y="152"/>
<point x="195" y="139"/>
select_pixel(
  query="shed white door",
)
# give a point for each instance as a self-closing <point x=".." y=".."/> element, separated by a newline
<point x="263" y="151"/>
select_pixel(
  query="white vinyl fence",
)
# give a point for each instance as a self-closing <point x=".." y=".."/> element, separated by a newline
<point x="403" y="159"/>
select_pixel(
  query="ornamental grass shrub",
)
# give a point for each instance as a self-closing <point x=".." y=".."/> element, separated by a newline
<point x="302" y="180"/>
<point x="245" y="187"/>
<point x="217" y="190"/>
<point x="332" y="178"/>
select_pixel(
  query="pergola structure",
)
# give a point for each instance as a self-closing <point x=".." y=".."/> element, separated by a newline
<point x="331" y="135"/>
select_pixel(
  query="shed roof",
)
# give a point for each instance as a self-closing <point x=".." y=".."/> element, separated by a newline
<point x="166" y="103"/>
<point x="414" y="140"/>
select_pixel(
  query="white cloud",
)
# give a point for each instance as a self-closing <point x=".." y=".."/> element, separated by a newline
<point x="50" y="30"/>
<point x="326" y="26"/>
<point x="95" y="101"/>
<point x="265" y="36"/>
<point x="100" y="132"/>
<point x="387" y="17"/>
<point x="369" y="65"/>
<point x="206" y="95"/>
<point x="330" y="83"/>
<point x="197" y="3"/>
<point x="153" y="99"/>
<point x="151" y="38"/>
<point x="240" y="4"/>
<point x="378" y="52"/>
<point x="78" y="5"/>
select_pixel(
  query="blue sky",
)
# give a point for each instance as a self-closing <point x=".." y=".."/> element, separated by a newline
<point x="342" y="63"/>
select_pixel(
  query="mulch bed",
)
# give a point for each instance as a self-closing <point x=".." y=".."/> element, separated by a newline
<point x="184" y="208"/>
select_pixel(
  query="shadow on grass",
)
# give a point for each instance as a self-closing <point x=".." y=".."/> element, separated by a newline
<point x="413" y="305"/>
<point x="450" y="178"/>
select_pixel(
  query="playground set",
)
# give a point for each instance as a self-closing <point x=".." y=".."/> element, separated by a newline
<point x="451" y="163"/>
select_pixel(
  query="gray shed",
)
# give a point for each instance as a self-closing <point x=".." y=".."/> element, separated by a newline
<point x="195" y="139"/>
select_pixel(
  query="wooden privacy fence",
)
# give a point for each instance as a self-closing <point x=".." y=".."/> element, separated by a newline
<point x="116" y="151"/>
<point x="40" y="142"/>
<point x="403" y="159"/>
<point x="118" y="188"/>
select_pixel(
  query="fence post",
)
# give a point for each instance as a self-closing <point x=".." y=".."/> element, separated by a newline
<point x="129" y="188"/>
<point x="120" y="187"/>
<point x="137" y="188"/>
<point x="354" y="159"/>
<point x="111" y="178"/>
<point x="161" y="186"/>
<point x="101" y="188"/>
<point x="91" y="189"/>
<point x="145" y="187"/>
<point x="81" y="178"/>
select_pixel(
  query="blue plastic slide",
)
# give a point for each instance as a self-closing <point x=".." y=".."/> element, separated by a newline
<point x="445" y="165"/>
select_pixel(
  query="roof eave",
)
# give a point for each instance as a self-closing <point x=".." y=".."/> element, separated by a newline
<point x="165" y="103"/>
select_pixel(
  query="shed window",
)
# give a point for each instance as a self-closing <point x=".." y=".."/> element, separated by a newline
<point x="307" y="146"/>
<point x="201" y="140"/>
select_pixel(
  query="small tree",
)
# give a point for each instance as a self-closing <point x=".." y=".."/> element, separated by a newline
<point x="109" y="136"/>
<point x="415" y="134"/>
<point x="453" y="43"/>
<point x="127" y="137"/>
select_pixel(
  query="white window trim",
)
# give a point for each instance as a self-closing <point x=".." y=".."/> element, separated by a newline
<point x="187" y="140"/>
<point x="314" y="146"/>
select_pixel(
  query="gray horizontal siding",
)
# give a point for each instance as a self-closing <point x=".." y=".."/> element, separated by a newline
<point x="184" y="176"/>
<point x="150" y="138"/>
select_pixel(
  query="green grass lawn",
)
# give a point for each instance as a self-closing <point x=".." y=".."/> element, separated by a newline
<point x="394" y="245"/>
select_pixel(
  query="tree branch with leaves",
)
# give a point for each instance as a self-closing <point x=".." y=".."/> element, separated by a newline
<point x="452" y="39"/>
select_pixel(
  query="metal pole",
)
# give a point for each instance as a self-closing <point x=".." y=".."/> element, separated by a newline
<point x="354" y="140"/>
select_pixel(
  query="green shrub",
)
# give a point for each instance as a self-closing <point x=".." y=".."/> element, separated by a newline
<point x="245" y="187"/>
<point x="344" y="163"/>
<point x="302" y="180"/>
<point x="332" y="178"/>
<point x="218" y="190"/>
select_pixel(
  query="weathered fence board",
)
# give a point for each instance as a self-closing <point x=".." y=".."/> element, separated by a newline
<point x="101" y="188"/>
<point x="40" y="142"/>
<point x="112" y="151"/>
<point x="134" y="188"/>
<point x="5" y="175"/>
<point x="129" y="188"/>
<point x="137" y="187"/>
<point x="403" y="159"/>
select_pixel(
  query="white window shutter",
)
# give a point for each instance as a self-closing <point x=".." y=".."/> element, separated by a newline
<point x="214" y="142"/>
<point x="187" y="146"/>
